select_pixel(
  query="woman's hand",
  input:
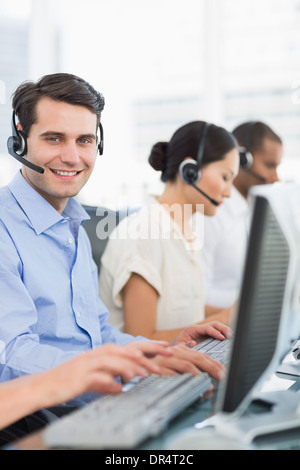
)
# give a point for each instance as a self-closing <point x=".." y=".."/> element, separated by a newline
<point x="194" y="334"/>
<point x="187" y="360"/>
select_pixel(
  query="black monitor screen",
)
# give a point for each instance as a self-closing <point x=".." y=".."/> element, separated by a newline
<point x="259" y="308"/>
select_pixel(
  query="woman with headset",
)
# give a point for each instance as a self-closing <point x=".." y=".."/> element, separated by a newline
<point x="152" y="275"/>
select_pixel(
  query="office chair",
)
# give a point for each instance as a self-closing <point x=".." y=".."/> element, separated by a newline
<point x="99" y="227"/>
<point x="101" y="223"/>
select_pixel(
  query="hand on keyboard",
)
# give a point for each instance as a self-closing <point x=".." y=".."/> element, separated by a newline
<point x="125" y="420"/>
<point x="96" y="371"/>
<point x="217" y="349"/>
<point x="196" y="333"/>
<point x="187" y="360"/>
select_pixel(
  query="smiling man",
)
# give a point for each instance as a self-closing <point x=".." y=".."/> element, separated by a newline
<point x="50" y="307"/>
<point x="61" y="137"/>
<point x="63" y="141"/>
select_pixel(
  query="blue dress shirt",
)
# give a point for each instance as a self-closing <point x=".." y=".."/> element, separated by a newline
<point x="50" y="307"/>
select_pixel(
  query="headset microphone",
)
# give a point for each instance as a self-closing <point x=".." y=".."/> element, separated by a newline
<point x="17" y="146"/>
<point x="256" y="175"/>
<point x="213" y="201"/>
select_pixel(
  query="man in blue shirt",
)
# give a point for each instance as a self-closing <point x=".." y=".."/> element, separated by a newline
<point x="50" y="307"/>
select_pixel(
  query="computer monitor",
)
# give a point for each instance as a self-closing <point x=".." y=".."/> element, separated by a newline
<point x="267" y="317"/>
<point x="267" y="321"/>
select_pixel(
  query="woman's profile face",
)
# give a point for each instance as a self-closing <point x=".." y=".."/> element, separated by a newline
<point x="216" y="180"/>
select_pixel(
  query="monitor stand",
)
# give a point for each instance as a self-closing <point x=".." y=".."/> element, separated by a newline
<point x="258" y="429"/>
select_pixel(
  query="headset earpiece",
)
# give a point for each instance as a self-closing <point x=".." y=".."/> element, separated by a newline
<point x="189" y="172"/>
<point x="190" y="169"/>
<point x="16" y="144"/>
<point x="246" y="158"/>
<point x="101" y="141"/>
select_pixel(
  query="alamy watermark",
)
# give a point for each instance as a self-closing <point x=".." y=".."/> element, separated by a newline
<point x="155" y="224"/>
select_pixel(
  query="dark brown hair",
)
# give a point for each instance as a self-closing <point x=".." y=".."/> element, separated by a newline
<point x="251" y="135"/>
<point x="63" y="87"/>
<point x="167" y="156"/>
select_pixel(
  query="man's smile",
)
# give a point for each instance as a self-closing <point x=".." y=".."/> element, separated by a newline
<point x="65" y="172"/>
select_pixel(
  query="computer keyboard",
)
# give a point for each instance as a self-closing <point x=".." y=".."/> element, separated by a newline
<point x="125" y="420"/>
<point x="217" y="349"/>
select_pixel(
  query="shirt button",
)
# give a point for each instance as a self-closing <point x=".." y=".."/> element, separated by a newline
<point x="78" y="314"/>
<point x="70" y="240"/>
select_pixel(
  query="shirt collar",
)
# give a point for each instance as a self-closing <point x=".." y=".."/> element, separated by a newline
<point x="40" y="213"/>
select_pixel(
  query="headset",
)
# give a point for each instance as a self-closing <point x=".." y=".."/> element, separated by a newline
<point x="17" y="145"/>
<point x="101" y="140"/>
<point x="190" y="169"/>
<point x="246" y="157"/>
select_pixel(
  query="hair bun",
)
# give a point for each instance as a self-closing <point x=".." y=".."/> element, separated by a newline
<point x="157" y="157"/>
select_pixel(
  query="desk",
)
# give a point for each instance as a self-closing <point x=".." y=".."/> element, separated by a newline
<point x="198" y="412"/>
<point x="203" y="409"/>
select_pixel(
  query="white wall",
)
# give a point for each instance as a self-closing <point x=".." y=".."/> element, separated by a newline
<point x="160" y="63"/>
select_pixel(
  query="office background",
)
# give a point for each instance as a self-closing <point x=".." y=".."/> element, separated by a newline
<point x="159" y="64"/>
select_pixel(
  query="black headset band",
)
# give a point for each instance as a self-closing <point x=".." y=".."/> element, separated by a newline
<point x="201" y="147"/>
